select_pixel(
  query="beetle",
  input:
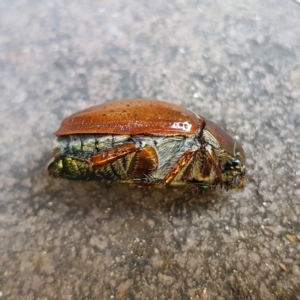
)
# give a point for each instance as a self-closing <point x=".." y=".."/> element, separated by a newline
<point x="148" y="143"/>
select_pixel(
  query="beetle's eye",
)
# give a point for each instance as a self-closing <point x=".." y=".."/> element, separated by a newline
<point x="233" y="165"/>
<point x="236" y="163"/>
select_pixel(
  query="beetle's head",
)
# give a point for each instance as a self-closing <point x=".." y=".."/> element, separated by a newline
<point x="229" y="154"/>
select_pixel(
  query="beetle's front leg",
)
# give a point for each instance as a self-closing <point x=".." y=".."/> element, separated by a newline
<point x="217" y="174"/>
<point x="183" y="161"/>
<point x="204" y="173"/>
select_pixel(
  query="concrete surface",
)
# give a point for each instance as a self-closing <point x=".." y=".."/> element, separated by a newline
<point x="236" y="62"/>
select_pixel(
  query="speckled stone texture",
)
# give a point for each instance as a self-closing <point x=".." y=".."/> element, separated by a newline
<point x="236" y="62"/>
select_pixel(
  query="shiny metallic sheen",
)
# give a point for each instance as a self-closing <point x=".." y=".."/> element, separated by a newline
<point x="132" y="116"/>
<point x="147" y="142"/>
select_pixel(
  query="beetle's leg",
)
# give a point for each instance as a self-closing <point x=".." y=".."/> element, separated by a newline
<point x="213" y="159"/>
<point x="178" y="166"/>
<point x="110" y="155"/>
<point x="199" y="189"/>
<point x="205" y="172"/>
<point x="144" y="163"/>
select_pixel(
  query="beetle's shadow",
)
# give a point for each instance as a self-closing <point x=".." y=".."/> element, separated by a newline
<point x="61" y="195"/>
<point x="79" y="196"/>
<point x="83" y="197"/>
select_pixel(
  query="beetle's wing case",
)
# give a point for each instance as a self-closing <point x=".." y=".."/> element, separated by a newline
<point x="133" y="116"/>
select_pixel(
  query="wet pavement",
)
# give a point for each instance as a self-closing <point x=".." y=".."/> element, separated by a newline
<point x="236" y="63"/>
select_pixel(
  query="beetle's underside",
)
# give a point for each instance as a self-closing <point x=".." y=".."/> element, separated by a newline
<point x="143" y="160"/>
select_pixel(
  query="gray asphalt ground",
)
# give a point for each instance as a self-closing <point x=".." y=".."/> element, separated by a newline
<point x="236" y="62"/>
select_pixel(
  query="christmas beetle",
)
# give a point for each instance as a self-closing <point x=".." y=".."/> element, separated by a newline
<point x="148" y="143"/>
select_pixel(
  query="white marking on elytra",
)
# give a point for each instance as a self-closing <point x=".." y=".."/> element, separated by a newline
<point x="185" y="126"/>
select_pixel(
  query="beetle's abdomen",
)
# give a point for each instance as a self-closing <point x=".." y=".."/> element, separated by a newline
<point x="72" y="158"/>
<point x="137" y="158"/>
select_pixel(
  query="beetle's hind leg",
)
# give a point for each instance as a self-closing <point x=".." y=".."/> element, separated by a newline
<point x="110" y="155"/>
<point x="139" y="168"/>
